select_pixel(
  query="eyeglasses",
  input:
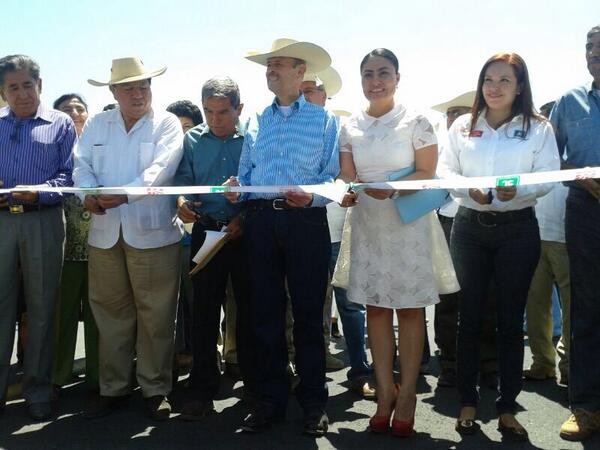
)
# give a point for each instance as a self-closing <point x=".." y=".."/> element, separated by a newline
<point x="16" y="134"/>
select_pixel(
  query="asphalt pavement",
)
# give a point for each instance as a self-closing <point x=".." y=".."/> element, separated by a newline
<point x="544" y="408"/>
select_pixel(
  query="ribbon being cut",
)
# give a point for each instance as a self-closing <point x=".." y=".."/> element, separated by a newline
<point x="334" y="191"/>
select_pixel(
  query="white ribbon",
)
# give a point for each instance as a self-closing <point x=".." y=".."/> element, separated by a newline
<point x="333" y="191"/>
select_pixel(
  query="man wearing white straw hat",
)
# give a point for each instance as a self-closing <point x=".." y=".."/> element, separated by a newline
<point x="133" y="241"/>
<point x="291" y="142"/>
<point x="446" y="311"/>
<point x="318" y="87"/>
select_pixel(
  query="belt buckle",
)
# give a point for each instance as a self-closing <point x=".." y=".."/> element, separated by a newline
<point x="480" y="214"/>
<point x="279" y="204"/>
<point x="16" y="209"/>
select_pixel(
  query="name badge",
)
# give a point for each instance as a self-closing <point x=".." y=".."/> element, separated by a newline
<point x="476" y="133"/>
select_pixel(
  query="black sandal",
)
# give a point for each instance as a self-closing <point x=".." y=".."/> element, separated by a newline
<point x="467" y="427"/>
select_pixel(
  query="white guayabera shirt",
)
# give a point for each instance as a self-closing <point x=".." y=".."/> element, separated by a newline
<point x="106" y="155"/>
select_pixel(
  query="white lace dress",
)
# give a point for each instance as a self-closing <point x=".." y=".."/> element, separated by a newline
<point x="385" y="262"/>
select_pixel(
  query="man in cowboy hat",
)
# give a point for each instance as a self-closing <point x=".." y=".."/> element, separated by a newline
<point x="133" y="241"/>
<point x="291" y="142"/>
<point x="446" y="311"/>
<point x="318" y="87"/>
<point x="35" y="148"/>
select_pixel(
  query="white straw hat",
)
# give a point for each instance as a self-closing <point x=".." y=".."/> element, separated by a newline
<point x="467" y="99"/>
<point x="126" y="70"/>
<point x="329" y="78"/>
<point x="316" y="58"/>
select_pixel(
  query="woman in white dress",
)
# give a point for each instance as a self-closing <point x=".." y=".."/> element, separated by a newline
<point x="389" y="264"/>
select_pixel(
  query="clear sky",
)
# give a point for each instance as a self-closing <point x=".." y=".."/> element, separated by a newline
<point x="441" y="45"/>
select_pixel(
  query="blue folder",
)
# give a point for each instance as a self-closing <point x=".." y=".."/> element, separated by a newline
<point x="411" y="207"/>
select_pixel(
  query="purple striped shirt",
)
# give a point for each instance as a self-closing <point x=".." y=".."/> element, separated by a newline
<point x="37" y="150"/>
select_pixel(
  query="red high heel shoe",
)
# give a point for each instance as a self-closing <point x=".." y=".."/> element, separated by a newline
<point x="404" y="428"/>
<point x="381" y="424"/>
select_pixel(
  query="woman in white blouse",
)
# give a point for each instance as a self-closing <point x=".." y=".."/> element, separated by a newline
<point x="495" y="237"/>
<point x="389" y="267"/>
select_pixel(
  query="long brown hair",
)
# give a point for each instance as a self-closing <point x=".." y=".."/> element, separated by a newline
<point x="523" y="102"/>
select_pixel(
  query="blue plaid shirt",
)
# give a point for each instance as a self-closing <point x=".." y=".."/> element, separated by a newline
<point x="301" y="148"/>
<point x="37" y="150"/>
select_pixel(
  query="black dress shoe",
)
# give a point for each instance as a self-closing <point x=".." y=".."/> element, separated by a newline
<point x="261" y="419"/>
<point x="158" y="407"/>
<point x="316" y="422"/>
<point x="363" y="387"/>
<point x="101" y="406"/>
<point x="194" y="410"/>
<point x="39" y="411"/>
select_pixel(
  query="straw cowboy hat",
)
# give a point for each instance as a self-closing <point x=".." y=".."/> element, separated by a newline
<point x="329" y="78"/>
<point x="2" y="103"/>
<point x="316" y="58"/>
<point x="467" y="99"/>
<point x="126" y="70"/>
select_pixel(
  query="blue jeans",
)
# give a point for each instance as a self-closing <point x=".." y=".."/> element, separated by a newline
<point x="509" y="254"/>
<point x="582" y="230"/>
<point x="352" y="316"/>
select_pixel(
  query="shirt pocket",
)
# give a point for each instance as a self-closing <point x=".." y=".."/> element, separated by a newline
<point x="582" y="134"/>
<point x="145" y="156"/>
<point x="45" y="157"/>
<point x="99" y="155"/>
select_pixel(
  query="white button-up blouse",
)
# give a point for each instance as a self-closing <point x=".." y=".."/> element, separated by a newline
<point x="504" y="151"/>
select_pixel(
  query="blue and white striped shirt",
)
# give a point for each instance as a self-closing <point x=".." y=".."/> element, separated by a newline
<point x="37" y="150"/>
<point x="301" y="148"/>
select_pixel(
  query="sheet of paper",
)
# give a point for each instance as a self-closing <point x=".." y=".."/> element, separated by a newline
<point x="212" y="239"/>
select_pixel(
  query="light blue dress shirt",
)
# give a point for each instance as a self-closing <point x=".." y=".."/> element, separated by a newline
<point x="301" y="148"/>
<point x="576" y="119"/>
